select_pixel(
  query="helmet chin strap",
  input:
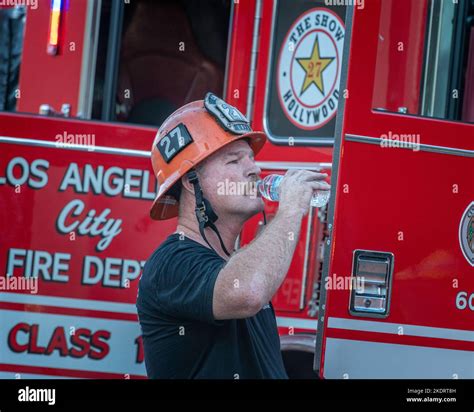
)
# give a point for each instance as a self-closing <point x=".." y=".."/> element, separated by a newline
<point x="204" y="212"/>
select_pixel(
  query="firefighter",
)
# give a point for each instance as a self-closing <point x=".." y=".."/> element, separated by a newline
<point x="204" y="308"/>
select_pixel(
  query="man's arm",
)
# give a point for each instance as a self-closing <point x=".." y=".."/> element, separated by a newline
<point x="252" y="275"/>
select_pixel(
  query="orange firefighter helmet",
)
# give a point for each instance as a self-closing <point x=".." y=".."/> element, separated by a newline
<point x="190" y="135"/>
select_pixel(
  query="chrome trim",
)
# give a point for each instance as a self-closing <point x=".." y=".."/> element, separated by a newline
<point x="313" y="304"/>
<point x="71" y="303"/>
<point x="408" y="330"/>
<point x="89" y="57"/>
<point x="438" y="51"/>
<point x="300" y="342"/>
<point x="334" y="179"/>
<point x="229" y="45"/>
<point x="296" y="323"/>
<point x="422" y="147"/>
<point x="298" y="141"/>
<point x="253" y="58"/>
<point x="112" y="60"/>
<point x="376" y="360"/>
<point x="142" y="153"/>
<point x="80" y="148"/>
<point x="304" y="279"/>
<point x="427" y="92"/>
<point x="293" y="165"/>
<point x="267" y="80"/>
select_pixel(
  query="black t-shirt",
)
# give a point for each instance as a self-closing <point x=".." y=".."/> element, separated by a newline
<point x="181" y="337"/>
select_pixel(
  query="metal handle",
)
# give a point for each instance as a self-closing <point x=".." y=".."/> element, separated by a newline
<point x="372" y="283"/>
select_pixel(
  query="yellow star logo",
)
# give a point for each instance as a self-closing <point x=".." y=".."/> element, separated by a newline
<point x="314" y="67"/>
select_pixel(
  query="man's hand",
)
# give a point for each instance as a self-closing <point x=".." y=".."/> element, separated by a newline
<point x="297" y="188"/>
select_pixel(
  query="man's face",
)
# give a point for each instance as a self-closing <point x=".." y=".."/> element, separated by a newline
<point x="226" y="179"/>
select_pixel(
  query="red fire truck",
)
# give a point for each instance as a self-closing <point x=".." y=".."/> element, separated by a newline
<point x="378" y="92"/>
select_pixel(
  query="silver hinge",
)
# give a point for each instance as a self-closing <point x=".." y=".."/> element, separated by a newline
<point x="253" y="59"/>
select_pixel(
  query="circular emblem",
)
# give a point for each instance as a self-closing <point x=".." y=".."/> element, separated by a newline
<point x="309" y="68"/>
<point x="466" y="234"/>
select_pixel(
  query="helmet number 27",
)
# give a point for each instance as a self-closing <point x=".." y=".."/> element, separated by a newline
<point x="173" y="142"/>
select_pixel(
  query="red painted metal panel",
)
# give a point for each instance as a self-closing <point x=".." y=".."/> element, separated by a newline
<point x="407" y="202"/>
<point x="46" y="79"/>
<point x="98" y="303"/>
<point x="240" y="49"/>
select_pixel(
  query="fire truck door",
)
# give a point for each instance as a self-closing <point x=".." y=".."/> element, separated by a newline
<point x="398" y="286"/>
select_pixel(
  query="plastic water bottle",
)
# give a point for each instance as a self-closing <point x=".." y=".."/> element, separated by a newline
<point x="269" y="188"/>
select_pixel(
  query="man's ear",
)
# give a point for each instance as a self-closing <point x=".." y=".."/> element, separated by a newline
<point x="186" y="184"/>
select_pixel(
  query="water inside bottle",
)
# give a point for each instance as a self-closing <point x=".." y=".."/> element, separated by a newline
<point x="269" y="188"/>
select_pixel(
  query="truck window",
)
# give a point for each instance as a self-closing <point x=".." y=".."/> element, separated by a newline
<point x="136" y="62"/>
<point x="169" y="53"/>
<point x="425" y="59"/>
